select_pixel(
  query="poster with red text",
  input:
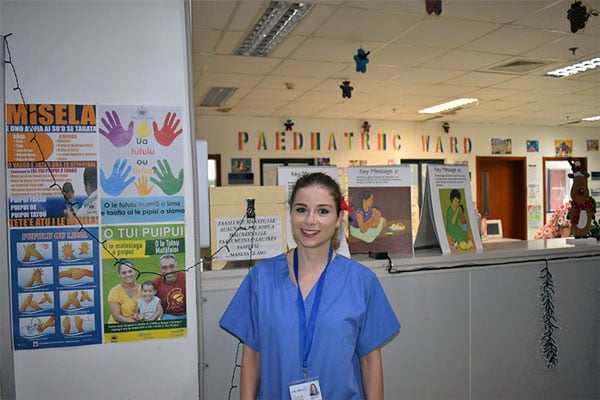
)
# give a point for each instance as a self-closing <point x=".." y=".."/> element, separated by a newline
<point x="52" y="152"/>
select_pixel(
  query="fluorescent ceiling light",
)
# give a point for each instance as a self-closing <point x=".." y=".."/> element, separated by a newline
<point x="594" y="118"/>
<point x="447" y="107"/>
<point x="575" y="68"/>
<point x="277" y="21"/>
<point x="217" y="96"/>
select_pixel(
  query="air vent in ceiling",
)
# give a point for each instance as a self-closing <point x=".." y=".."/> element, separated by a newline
<point x="519" y="66"/>
<point x="217" y="96"/>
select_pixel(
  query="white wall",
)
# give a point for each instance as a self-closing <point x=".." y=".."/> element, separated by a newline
<point x="106" y="52"/>
<point x="221" y="132"/>
<point x="222" y="135"/>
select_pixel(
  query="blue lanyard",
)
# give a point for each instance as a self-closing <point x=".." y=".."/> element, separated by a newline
<point x="307" y="331"/>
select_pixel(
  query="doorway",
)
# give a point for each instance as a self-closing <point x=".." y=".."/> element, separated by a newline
<point x="502" y="193"/>
<point x="557" y="184"/>
<point x="214" y="170"/>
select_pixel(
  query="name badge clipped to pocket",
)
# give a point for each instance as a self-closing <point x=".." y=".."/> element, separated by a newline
<point x="306" y="390"/>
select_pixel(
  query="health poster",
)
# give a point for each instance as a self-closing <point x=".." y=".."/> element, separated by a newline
<point x="381" y="219"/>
<point x="51" y="156"/>
<point x="55" y="287"/>
<point x="448" y="219"/>
<point x="51" y="165"/>
<point x="144" y="282"/>
<point x="141" y="168"/>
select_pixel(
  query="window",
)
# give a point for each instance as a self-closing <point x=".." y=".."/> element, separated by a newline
<point x="214" y="170"/>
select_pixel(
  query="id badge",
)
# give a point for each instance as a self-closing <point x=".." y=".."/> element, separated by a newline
<point x="306" y="390"/>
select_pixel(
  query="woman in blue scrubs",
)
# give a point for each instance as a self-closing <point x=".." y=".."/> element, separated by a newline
<point x="311" y="318"/>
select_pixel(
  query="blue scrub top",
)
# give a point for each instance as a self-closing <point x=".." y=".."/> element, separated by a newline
<point x="355" y="318"/>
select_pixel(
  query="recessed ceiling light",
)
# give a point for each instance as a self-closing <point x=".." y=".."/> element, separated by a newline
<point x="594" y="118"/>
<point x="449" y="106"/>
<point x="575" y="68"/>
<point x="277" y="21"/>
<point x="217" y="96"/>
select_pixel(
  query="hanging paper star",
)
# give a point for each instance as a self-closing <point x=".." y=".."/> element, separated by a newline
<point x="288" y="125"/>
<point x="346" y="89"/>
<point x="366" y="127"/>
<point x="361" y="60"/>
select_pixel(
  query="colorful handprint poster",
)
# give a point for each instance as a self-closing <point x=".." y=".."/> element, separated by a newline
<point x="141" y="168"/>
<point x="51" y="164"/>
<point x="148" y="261"/>
<point x="55" y="287"/>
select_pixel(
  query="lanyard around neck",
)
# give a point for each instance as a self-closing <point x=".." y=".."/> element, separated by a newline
<point x="307" y="331"/>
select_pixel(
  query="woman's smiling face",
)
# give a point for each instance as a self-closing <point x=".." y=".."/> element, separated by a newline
<point x="126" y="273"/>
<point x="314" y="217"/>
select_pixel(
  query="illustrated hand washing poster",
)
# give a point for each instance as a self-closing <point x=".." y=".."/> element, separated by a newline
<point x="53" y="218"/>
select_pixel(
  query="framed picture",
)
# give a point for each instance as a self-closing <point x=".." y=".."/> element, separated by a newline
<point x="268" y="168"/>
<point x="501" y="146"/>
<point x="241" y="165"/>
<point x="533" y="146"/>
<point x="563" y="147"/>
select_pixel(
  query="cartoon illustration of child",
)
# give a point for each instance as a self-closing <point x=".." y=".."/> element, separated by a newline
<point x="148" y="306"/>
<point x="456" y="223"/>
<point x="367" y="222"/>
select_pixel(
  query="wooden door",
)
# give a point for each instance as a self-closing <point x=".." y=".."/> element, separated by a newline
<point x="502" y="193"/>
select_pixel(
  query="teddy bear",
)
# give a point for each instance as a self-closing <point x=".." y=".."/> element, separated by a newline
<point x="361" y="59"/>
<point x="583" y="206"/>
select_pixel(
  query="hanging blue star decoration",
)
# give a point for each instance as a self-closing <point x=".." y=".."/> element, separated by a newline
<point x="346" y="89"/>
<point x="361" y="59"/>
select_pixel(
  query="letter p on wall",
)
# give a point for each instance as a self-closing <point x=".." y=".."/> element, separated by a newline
<point x="242" y="139"/>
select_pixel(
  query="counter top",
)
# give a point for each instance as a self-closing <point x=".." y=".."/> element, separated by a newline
<point x="432" y="260"/>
